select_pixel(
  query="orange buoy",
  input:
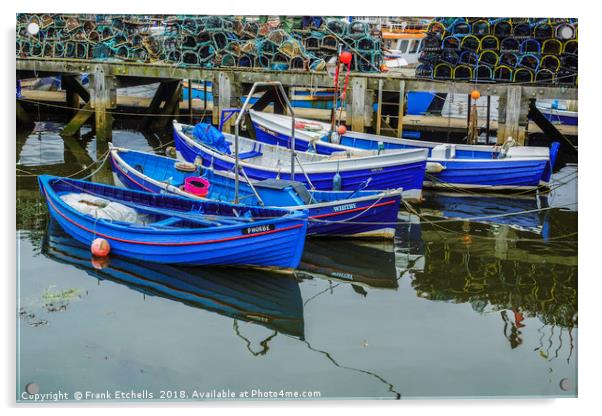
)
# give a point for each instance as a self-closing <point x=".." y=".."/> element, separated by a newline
<point x="475" y="94"/>
<point x="345" y="57"/>
<point x="100" y="247"/>
<point x="341" y="130"/>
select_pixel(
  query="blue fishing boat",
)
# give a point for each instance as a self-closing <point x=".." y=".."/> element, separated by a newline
<point x="267" y="298"/>
<point x="358" y="213"/>
<point x="175" y="230"/>
<point x="462" y="166"/>
<point x="558" y="116"/>
<point x="353" y="172"/>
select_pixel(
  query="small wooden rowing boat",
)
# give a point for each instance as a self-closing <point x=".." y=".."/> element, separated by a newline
<point x="403" y="169"/>
<point x="358" y="213"/>
<point x="175" y="230"/>
<point x="449" y="165"/>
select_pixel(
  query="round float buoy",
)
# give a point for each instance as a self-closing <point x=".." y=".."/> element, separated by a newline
<point x="100" y="247"/>
<point x="341" y="130"/>
<point x="345" y="57"/>
<point x="33" y="28"/>
<point x="475" y="94"/>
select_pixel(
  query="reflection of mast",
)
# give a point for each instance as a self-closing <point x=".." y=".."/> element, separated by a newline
<point x="379" y="378"/>
<point x="264" y="343"/>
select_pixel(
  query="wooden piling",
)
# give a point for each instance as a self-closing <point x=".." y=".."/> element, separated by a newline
<point x="379" y="104"/>
<point x="103" y="98"/>
<point x="401" y="110"/>
<point x="358" y="103"/>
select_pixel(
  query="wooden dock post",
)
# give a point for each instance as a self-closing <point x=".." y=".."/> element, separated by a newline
<point x="513" y="114"/>
<point x="401" y="110"/>
<point x="103" y="98"/>
<point x="224" y="94"/>
<point x="358" y="103"/>
<point x="379" y="106"/>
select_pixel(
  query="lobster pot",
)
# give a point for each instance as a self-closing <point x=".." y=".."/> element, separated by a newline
<point x="312" y="43"/>
<point x="543" y="31"/>
<point x="470" y="43"/>
<point x="503" y="73"/>
<point x="357" y="29"/>
<point x="551" y="47"/>
<point x="459" y="27"/>
<point x="213" y="24"/>
<point x="481" y="28"/>
<point x="262" y="61"/>
<point x="367" y="62"/>
<point x="206" y="52"/>
<point x="565" y="31"/>
<point x="338" y="27"/>
<point x="229" y="60"/>
<point x="48" y="48"/>
<point x="431" y="43"/>
<point x="570" y="47"/>
<point x="502" y="29"/>
<point x="530" y="46"/>
<point x="317" y="64"/>
<point x="523" y="76"/>
<point x="245" y="61"/>
<point x="366" y="44"/>
<point x="489" y="58"/>
<point x="451" y="43"/>
<point x="450" y="56"/>
<point x="544" y="76"/>
<point x="469" y="58"/>
<point x="569" y="61"/>
<point x="190" y="57"/>
<point x="329" y="43"/>
<point x="426" y="57"/>
<point x="298" y="63"/>
<point x="81" y="50"/>
<point x="522" y="30"/>
<point x="566" y="76"/>
<point x="100" y="51"/>
<point x="510" y="45"/>
<point x="443" y="72"/>
<point x="483" y="73"/>
<point x="550" y="63"/>
<point x="424" y="71"/>
<point x="490" y="43"/>
<point x="174" y="56"/>
<point x="529" y="61"/>
<point x="280" y="62"/>
<point x="219" y="39"/>
<point x="121" y="52"/>
<point x="462" y="73"/>
<point x="437" y="28"/>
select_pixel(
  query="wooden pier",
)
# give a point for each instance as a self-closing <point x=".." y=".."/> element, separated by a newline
<point x="229" y="84"/>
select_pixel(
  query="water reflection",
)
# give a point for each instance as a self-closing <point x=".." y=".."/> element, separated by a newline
<point x="264" y="298"/>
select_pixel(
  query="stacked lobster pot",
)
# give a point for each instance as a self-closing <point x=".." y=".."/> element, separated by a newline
<point x="509" y="50"/>
<point x="202" y="41"/>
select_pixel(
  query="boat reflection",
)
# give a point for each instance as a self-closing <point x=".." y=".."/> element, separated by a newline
<point x="266" y="298"/>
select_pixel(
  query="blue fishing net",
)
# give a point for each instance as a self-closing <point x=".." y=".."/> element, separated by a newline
<point x="211" y="136"/>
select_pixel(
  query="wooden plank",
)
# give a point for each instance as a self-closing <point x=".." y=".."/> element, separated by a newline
<point x="400" y="111"/>
<point x="379" y="109"/>
<point x="358" y="103"/>
<point x="103" y="98"/>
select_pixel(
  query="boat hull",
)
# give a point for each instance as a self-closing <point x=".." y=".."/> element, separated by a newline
<point x="474" y="167"/>
<point x="368" y="214"/>
<point x="408" y="176"/>
<point x="281" y="245"/>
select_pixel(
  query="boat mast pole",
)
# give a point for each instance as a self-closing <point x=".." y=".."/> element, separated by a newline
<point x="241" y="114"/>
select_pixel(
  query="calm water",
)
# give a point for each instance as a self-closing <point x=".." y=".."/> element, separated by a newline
<point x="454" y="307"/>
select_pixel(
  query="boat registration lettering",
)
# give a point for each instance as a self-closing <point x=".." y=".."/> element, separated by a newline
<point x="341" y="275"/>
<point x="376" y="170"/>
<point x="258" y="229"/>
<point x="345" y="207"/>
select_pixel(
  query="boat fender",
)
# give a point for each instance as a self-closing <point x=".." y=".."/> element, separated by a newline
<point x="185" y="167"/>
<point x="337" y="180"/>
<point x="335" y="138"/>
<point x="196" y="186"/>
<point x="434" y="167"/>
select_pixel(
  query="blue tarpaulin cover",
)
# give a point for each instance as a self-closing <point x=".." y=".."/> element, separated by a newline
<point x="211" y="136"/>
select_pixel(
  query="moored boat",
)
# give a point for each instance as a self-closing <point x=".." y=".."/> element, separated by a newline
<point x="175" y="230"/>
<point x="261" y="161"/>
<point x="449" y="165"/>
<point x="331" y="213"/>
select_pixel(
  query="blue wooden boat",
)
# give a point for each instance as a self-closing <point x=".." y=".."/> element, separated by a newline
<point x="331" y="213"/>
<point x="403" y="169"/>
<point x="267" y="298"/>
<point x="566" y="117"/>
<point x="449" y="165"/>
<point x="175" y="230"/>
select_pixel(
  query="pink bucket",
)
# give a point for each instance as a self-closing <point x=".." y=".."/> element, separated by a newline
<point x="196" y="186"/>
